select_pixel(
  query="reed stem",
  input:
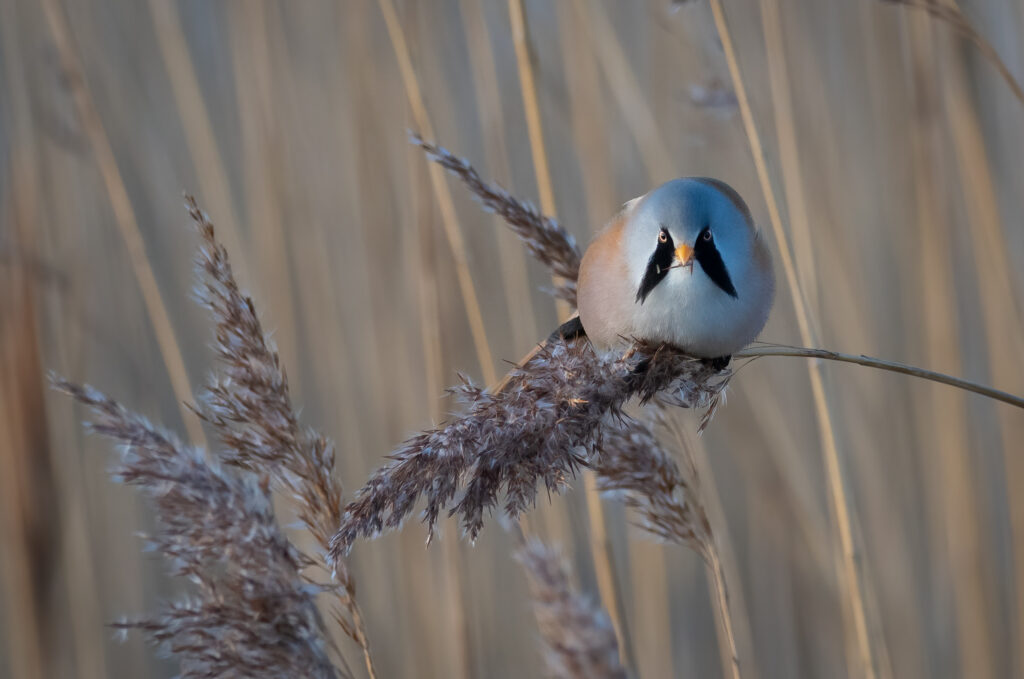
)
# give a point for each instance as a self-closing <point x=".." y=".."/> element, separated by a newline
<point x="951" y="14"/>
<point x="714" y="564"/>
<point x="124" y="216"/>
<point x="882" y="364"/>
<point x="840" y="489"/>
<point x="444" y="198"/>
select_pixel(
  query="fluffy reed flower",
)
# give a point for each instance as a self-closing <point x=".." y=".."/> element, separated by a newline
<point x="255" y="602"/>
<point x="577" y="636"/>
<point x="544" y="237"/>
<point x="253" y="614"/>
<point x="248" y="401"/>
<point x="548" y="420"/>
<point x="635" y="467"/>
<point x="249" y="405"/>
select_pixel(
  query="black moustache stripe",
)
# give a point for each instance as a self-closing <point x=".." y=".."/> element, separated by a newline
<point x="657" y="268"/>
<point x="710" y="260"/>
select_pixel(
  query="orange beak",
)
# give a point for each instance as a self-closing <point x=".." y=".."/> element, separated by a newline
<point x="684" y="254"/>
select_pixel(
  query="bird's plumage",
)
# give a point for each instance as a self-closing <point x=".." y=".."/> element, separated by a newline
<point x="633" y="286"/>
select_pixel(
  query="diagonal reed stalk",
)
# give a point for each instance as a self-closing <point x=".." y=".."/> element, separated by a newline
<point x="758" y="351"/>
<point x="124" y="216"/>
<point x="545" y="238"/>
<point x="840" y="489"/>
<point x="789" y="156"/>
<point x="444" y="199"/>
<point x="950" y="13"/>
<point x="517" y="20"/>
<point x="255" y="39"/>
<point x="480" y="41"/>
<point x="624" y="87"/>
<point x="211" y="173"/>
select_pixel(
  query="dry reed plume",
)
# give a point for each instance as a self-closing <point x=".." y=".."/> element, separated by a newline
<point x="544" y="237"/>
<point x="577" y="638"/>
<point x="547" y="421"/>
<point x="255" y="615"/>
<point x="252" y="614"/>
<point x="635" y="467"/>
<point x="249" y="405"/>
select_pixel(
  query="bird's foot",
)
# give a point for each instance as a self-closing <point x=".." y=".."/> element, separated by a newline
<point x="720" y="363"/>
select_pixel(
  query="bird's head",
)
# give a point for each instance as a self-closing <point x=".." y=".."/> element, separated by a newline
<point x="689" y="227"/>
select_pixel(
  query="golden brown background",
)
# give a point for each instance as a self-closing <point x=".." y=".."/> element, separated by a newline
<point x="894" y="148"/>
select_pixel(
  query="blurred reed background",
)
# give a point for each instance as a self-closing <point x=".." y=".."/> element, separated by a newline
<point x="892" y="145"/>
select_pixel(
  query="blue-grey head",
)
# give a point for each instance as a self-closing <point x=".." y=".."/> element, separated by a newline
<point x="695" y="224"/>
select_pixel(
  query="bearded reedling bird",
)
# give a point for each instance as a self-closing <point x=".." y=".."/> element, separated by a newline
<point x="682" y="265"/>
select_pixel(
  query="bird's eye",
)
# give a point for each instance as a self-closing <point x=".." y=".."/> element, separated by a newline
<point x="707" y="234"/>
<point x="663" y="236"/>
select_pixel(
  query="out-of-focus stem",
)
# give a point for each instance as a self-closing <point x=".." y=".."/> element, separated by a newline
<point x="714" y="565"/>
<point x="528" y="87"/>
<point x="444" y="198"/>
<point x="838" y="479"/>
<point x="124" y="216"/>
